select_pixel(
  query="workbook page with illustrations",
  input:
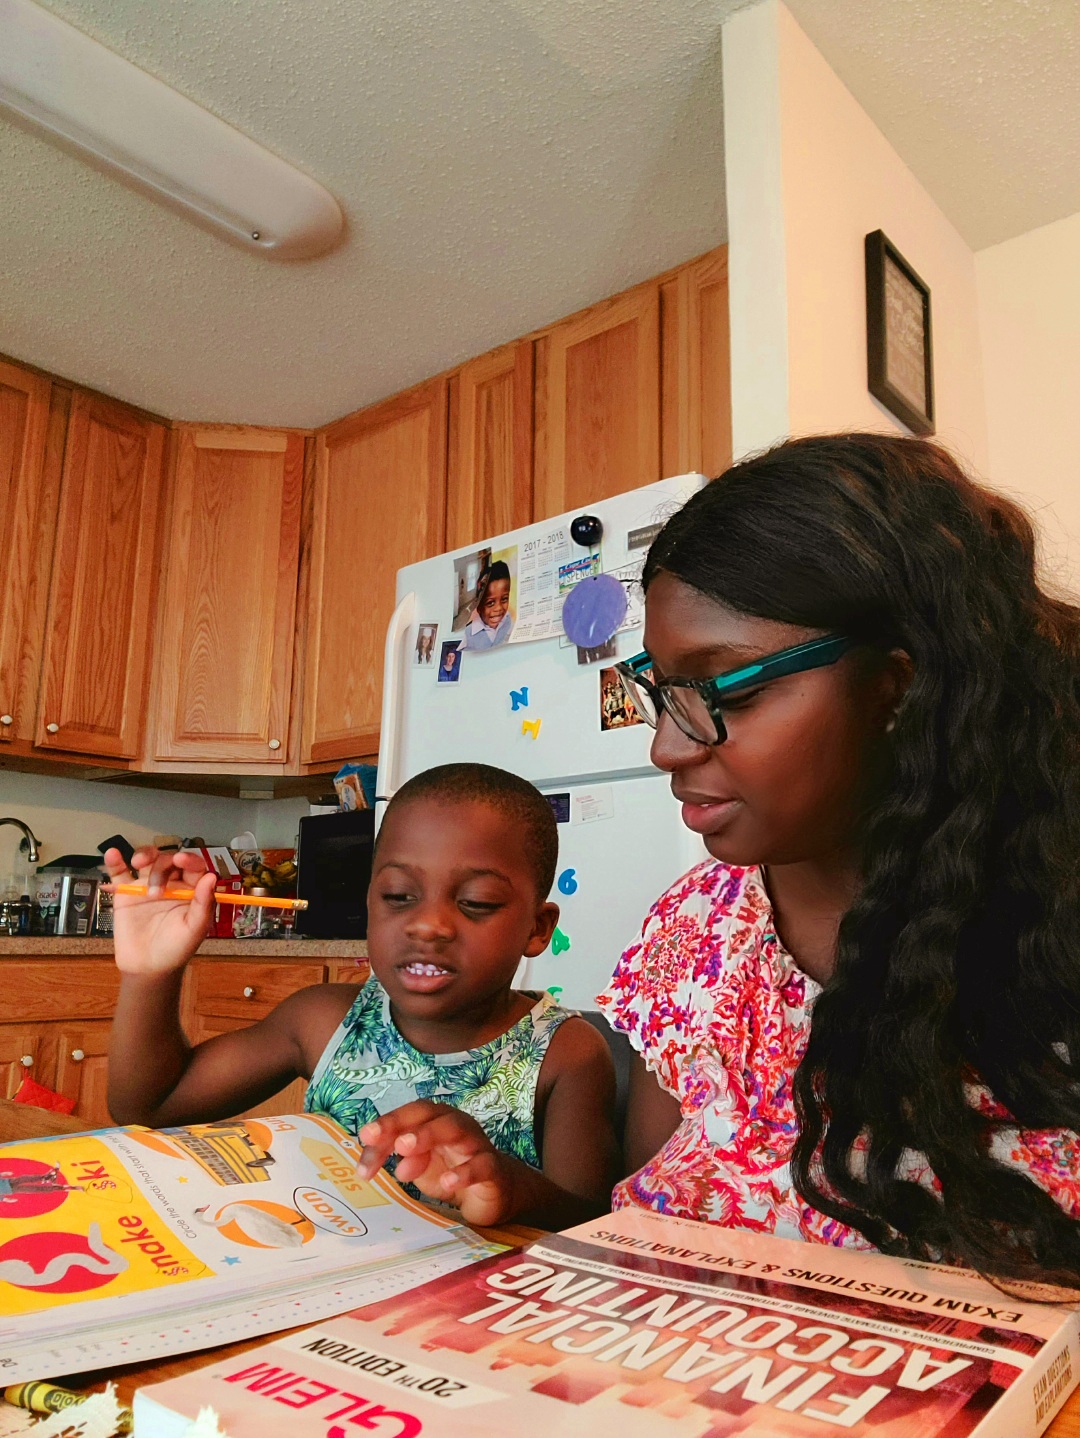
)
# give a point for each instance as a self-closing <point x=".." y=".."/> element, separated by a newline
<point x="133" y="1243"/>
<point x="640" y="1326"/>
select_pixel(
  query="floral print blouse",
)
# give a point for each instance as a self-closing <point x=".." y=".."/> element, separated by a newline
<point x="721" y="1014"/>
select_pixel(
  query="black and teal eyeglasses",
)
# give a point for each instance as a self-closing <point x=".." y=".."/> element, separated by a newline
<point x="697" y="705"/>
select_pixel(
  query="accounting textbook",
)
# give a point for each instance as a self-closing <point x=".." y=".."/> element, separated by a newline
<point x="642" y="1326"/>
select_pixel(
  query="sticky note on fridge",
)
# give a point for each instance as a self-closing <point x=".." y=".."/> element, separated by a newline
<point x="531" y="727"/>
<point x="560" y="942"/>
<point x="519" y="698"/>
<point x="593" y="804"/>
<point x="568" y="883"/>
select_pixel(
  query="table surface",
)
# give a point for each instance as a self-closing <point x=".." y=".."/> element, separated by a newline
<point x="18" y="1121"/>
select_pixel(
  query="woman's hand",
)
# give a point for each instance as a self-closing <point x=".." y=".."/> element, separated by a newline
<point x="153" y="934"/>
<point x="447" y="1155"/>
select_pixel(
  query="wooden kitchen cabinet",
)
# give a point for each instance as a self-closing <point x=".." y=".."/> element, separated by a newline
<point x="695" y="420"/>
<point x="380" y="503"/>
<point x="220" y="997"/>
<point x="635" y="388"/>
<point x="245" y="991"/>
<point x="225" y="647"/>
<point x="347" y="971"/>
<point x="96" y="649"/>
<point x="598" y="403"/>
<point x="24" y="420"/>
<point x="82" y="1069"/>
<point x="57" y="1013"/>
<point x="21" y="1055"/>
<point x="490" y="457"/>
<point x="274" y="575"/>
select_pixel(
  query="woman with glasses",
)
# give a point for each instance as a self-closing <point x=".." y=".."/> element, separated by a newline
<point x="859" y="1022"/>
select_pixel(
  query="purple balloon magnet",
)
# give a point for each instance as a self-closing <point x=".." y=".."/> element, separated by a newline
<point x="593" y="610"/>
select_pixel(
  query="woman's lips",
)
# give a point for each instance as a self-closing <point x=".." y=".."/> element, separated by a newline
<point x="707" y="816"/>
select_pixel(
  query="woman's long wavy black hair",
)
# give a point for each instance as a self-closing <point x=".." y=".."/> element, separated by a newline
<point x="960" y="958"/>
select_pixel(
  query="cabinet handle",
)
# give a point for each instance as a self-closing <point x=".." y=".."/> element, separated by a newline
<point x="53" y="728"/>
<point x="6" y="719"/>
<point x="27" y="1061"/>
<point x="275" y="744"/>
<point x="77" y="1055"/>
<point x="249" y="992"/>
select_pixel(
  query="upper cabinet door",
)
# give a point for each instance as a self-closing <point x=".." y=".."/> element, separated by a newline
<point x="24" y="419"/>
<point x="227" y="630"/>
<point x="696" y="418"/>
<point x="380" y="502"/>
<point x="598" y="403"/>
<point x="491" y="446"/>
<point x="94" y="667"/>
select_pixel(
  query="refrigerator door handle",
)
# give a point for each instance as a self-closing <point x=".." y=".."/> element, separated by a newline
<point x="390" y="735"/>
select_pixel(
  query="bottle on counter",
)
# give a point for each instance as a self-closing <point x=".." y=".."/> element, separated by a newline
<point x="23" y="915"/>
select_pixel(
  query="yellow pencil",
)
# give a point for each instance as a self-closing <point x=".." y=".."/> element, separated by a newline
<point x="262" y="901"/>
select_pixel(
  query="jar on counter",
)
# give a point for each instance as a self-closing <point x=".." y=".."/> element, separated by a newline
<point x="255" y="922"/>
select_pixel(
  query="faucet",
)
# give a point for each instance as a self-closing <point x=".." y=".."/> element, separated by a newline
<point x="31" y="842"/>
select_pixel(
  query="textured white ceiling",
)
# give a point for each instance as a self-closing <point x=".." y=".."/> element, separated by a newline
<point x="980" y="97"/>
<point x="500" y="163"/>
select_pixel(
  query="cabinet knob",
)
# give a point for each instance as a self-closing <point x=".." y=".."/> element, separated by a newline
<point x="6" y="719"/>
<point x="53" y="728"/>
<point x="77" y="1055"/>
<point x="27" y="1061"/>
<point x="275" y="743"/>
<point x="249" y="992"/>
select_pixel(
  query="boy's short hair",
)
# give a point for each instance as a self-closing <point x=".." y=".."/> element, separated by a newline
<point x="512" y="796"/>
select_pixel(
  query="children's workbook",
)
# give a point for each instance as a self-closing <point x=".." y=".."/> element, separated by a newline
<point x="135" y="1243"/>
<point x="641" y="1326"/>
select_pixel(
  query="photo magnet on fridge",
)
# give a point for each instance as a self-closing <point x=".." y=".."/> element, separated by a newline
<point x="485" y="600"/>
<point x="598" y="652"/>
<point x="560" y="807"/>
<point x="616" y="707"/>
<point x="450" y="662"/>
<point x="424" y="653"/>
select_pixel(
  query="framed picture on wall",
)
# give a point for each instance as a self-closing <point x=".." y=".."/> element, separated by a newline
<point x="899" y="364"/>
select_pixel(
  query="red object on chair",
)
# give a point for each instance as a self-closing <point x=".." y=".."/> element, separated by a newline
<point x="38" y="1096"/>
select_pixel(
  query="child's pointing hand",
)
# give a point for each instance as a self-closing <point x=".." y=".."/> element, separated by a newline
<point x="447" y="1155"/>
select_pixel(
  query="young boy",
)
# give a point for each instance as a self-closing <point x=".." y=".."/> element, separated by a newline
<point x="483" y="1092"/>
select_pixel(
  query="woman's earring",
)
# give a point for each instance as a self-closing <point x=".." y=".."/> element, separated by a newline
<point x="890" y="723"/>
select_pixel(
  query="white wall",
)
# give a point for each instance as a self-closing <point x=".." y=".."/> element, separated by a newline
<point x="1029" y="299"/>
<point x="72" y="816"/>
<point x="796" y="233"/>
<point x="842" y="179"/>
<point x="757" y="278"/>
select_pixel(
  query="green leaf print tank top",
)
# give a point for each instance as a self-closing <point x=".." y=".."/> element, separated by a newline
<point x="368" y="1069"/>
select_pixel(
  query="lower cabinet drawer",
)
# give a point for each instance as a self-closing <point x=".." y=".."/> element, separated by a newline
<point x="66" y="989"/>
<point x="247" y="992"/>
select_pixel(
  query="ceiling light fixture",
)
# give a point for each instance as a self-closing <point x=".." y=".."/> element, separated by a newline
<point x="86" y="97"/>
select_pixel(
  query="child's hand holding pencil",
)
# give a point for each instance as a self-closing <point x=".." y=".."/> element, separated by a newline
<point x="156" y="931"/>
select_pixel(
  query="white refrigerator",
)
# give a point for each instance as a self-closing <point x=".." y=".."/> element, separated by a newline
<point x="533" y="704"/>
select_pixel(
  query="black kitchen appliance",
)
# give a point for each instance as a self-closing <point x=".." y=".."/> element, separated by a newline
<point x="334" y="869"/>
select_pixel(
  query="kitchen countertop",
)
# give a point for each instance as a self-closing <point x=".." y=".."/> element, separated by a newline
<point x="71" y="947"/>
